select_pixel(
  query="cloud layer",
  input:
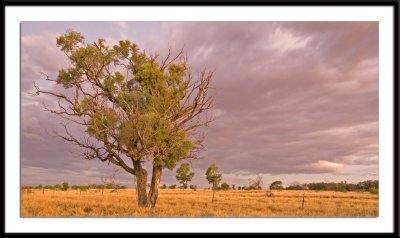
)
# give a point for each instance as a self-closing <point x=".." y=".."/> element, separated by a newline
<point x="297" y="100"/>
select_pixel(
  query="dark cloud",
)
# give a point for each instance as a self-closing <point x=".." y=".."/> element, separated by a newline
<point x="291" y="97"/>
<point x="271" y="101"/>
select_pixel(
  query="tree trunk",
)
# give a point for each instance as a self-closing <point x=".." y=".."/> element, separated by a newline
<point x="141" y="180"/>
<point x="213" y="195"/>
<point x="155" y="182"/>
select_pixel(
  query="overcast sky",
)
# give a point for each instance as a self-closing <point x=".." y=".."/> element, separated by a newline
<point x="294" y="101"/>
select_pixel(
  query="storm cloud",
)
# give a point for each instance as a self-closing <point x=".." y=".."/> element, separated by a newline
<point x="293" y="100"/>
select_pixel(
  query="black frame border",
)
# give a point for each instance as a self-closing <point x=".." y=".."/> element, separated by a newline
<point x="396" y="66"/>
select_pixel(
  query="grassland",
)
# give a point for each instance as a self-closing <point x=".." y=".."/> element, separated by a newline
<point x="189" y="203"/>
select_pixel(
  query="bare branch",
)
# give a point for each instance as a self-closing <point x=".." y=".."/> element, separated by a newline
<point x="93" y="151"/>
<point x="168" y="60"/>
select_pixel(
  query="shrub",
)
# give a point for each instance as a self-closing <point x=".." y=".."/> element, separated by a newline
<point x="194" y="187"/>
<point x="87" y="209"/>
<point x="374" y="191"/>
<point x="225" y="186"/>
<point x="172" y="186"/>
<point x="64" y="186"/>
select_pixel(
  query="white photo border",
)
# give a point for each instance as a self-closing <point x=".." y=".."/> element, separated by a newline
<point x="14" y="15"/>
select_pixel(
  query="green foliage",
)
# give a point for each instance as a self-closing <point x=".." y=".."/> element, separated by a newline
<point x="68" y="77"/>
<point x="131" y="104"/>
<point x="183" y="186"/>
<point x="276" y="185"/>
<point x="69" y="40"/>
<point x="109" y="186"/>
<point x="297" y="186"/>
<point x="374" y="191"/>
<point x="102" y="124"/>
<point x="172" y="186"/>
<point x="74" y="187"/>
<point x="213" y="176"/>
<point x="83" y="188"/>
<point x="143" y="102"/>
<point x="225" y="186"/>
<point x="194" y="187"/>
<point x="183" y="174"/>
<point x="368" y="185"/>
<point x="64" y="186"/>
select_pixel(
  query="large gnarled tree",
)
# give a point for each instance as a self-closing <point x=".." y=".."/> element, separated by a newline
<point x="134" y="107"/>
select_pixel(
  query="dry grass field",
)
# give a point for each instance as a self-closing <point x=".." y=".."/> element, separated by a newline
<point x="189" y="203"/>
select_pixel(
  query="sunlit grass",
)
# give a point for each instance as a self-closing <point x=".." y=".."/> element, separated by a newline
<point x="189" y="203"/>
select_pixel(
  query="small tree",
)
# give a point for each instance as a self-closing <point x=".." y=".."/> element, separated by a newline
<point x="64" y="186"/>
<point x="164" y="186"/>
<point x="173" y="186"/>
<point x="233" y="187"/>
<point x="111" y="182"/>
<point x="295" y="186"/>
<point x="277" y="185"/>
<point x="183" y="175"/>
<point x="256" y="183"/>
<point x="194" y="187"/>
<point x="83" y="188"/>
<point x="225" y="186"/>
<point x="213" y="177"/>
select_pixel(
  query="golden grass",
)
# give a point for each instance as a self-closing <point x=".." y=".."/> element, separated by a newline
<point x="189" y="203"/>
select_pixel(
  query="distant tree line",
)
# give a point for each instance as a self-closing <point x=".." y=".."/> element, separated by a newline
<point x="184" y="175"/>
<point x="65" y="186"/>
<point x="343" y="186"/>
<point x="369" y="186"/>
<point x="364" y="186"/>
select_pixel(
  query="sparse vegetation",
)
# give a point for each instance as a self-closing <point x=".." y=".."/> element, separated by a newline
<point x="173" y="186"/>
<point x="84" y="200"/>
<point x="194" y="187"/>
<point x="213" y="177"/>
<point x="64" y="186"/>
<point x="296" y="186"/>
<point x="225" y="186"/>
<point x="374" y="191"/>
<point x="190" y="203"/>
<point x="183" y="175"/>
<point x="256" y="183"/>
<point x="277" y="185"/>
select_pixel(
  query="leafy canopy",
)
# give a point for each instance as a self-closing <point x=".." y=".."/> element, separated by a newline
<point x="126" y="99"/>
<point x="183" y="174"/>
<point x="213" y="175"/>
<point x="276" y="185"/>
